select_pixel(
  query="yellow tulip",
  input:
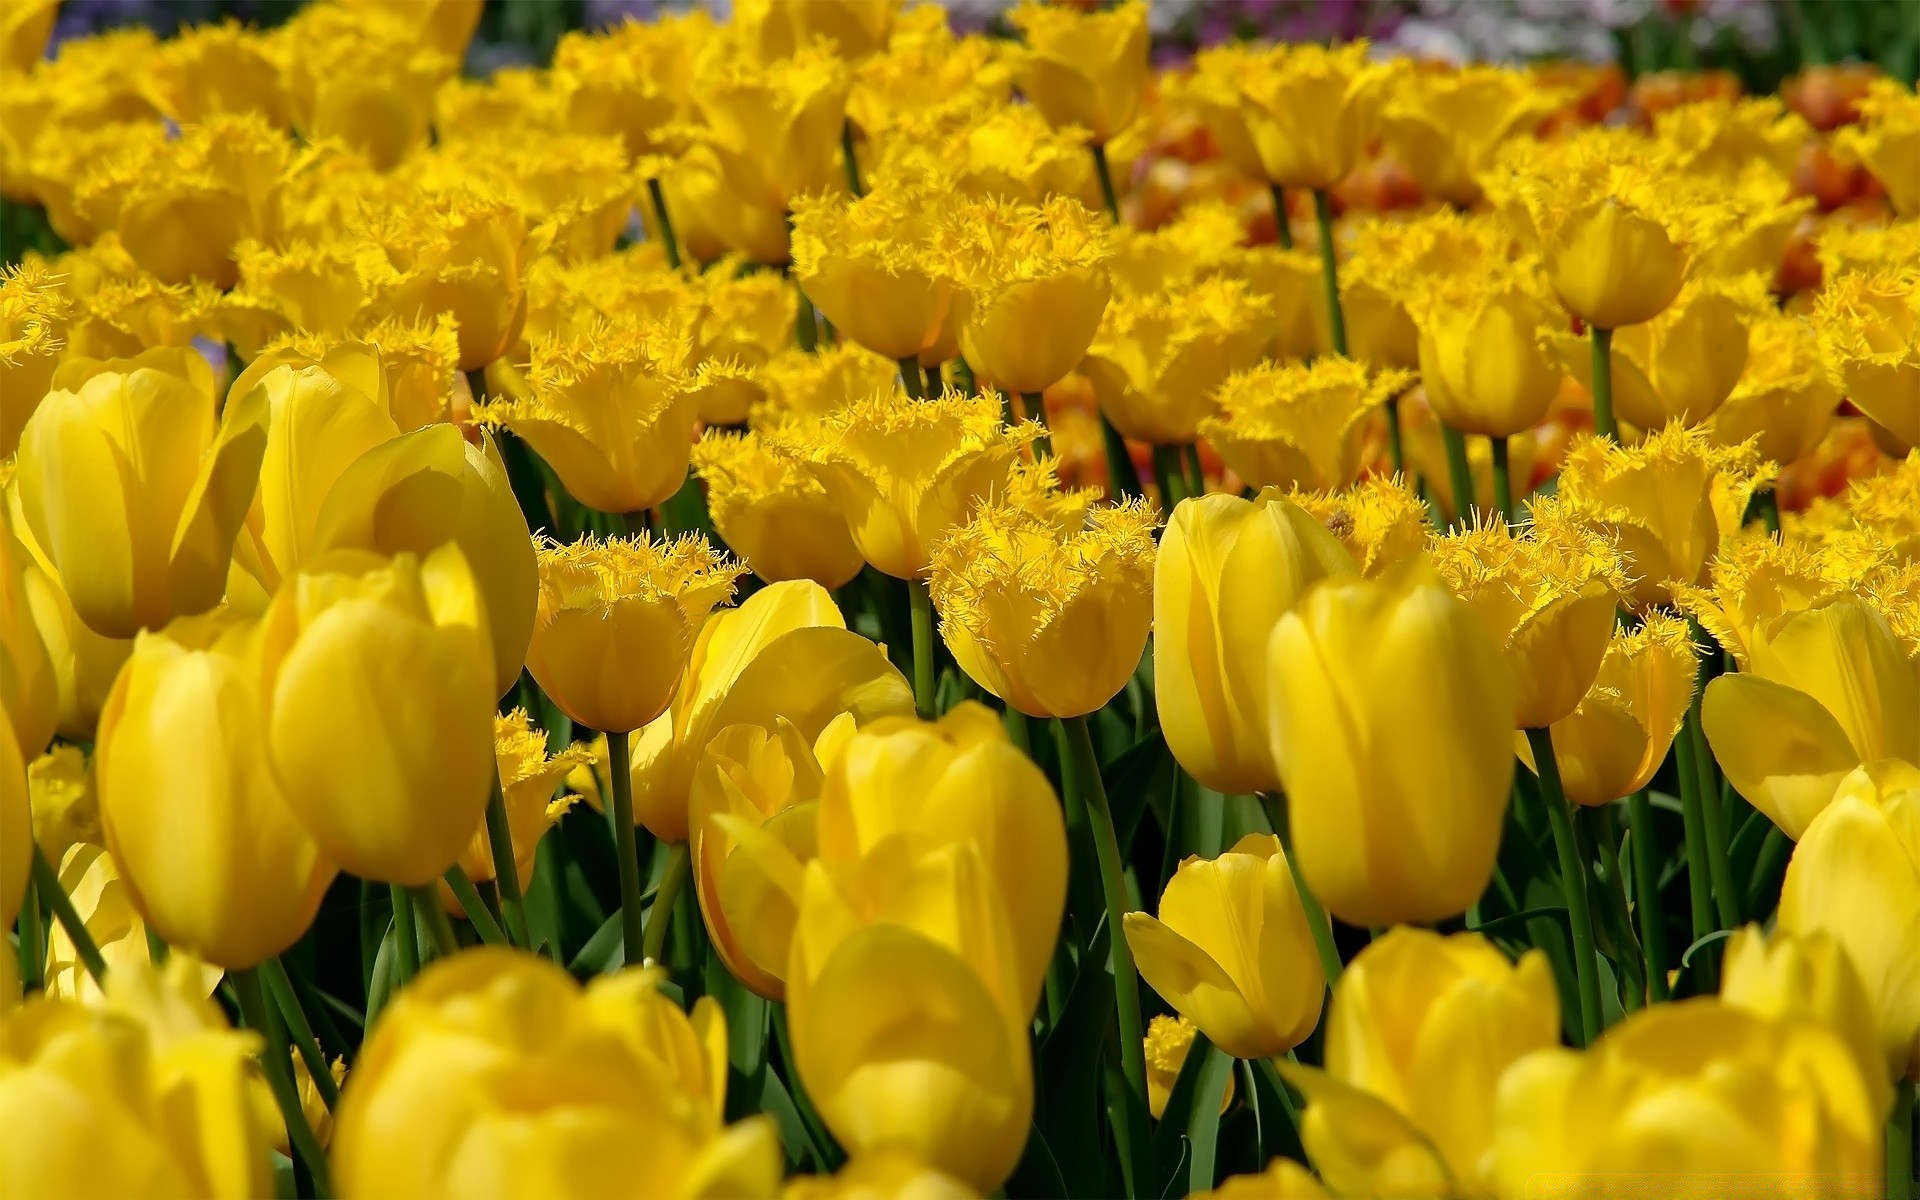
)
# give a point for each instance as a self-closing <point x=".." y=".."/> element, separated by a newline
<point x="1034" y="280"/>
<point x="923" y="77"/>
<point x="710" y="218"/>
<point x="1310" y="111"/>
<point x="412" y="375"/>
<point x="16" y="823"/>
<point x="799" y="384"/>
<point x="1825" y="690"/>
<point x="1232" y="950"/>
<point x="1695" y="1090"/>
<point x="135" y="490"/>
<point x="528" y="778"/>
<point x="1159" y="358"/>
<point x="1288" y="425"/>
<point x="1083" y="68"/>
<point x="1805" y="976"/>
<point x="1757" y="579"/>
<point x="105" y="904"/>
<point x="1048" y="610"/>
<point x="773" y="123"/>
<point x="784" y="653"/>
<point x="1284" y="1179"/>
<point x="1411" y="837"/>
<point x="1389" y="265"/>
<point x="1886" y="140"/>
<point x="1380" y="520"/>
<point x="1866" y="321"/>
<point x="1726" y="137"/>
<point x="1422" y="1029"/>
<point x="224" y="68"/>
<point x="144" y="1096"/>
<point x="617" y="622"/>
<point x="66" y="810"/>
<point x="313" y="1107"/>
<point x="743" y="324"/>
<point x="1447" y="125"/>
<point x="34" y="309"/>
<point x="773" y="513"/>
<point x="1685" y="362"/>
<point x="181" y="212"/>
<point x="630" y="79"/>
<point x="1613" y="742"/>
<point x="377" y="682"/>
<point x="612" y="412"/>
<point x="1168" y="1042"/>
<point x="867" y="265"/>
<point x="1482" y="349"/>
<point x="1227" y="570"/>
<point x="208" y="843"/>
<point x="83" y="662"/>
<point x="1785" y="399"/>
<point x="29" y="682"/>
<point x="887" y="1173"/>
<point x="24" y="32"/>
<point x="904" y="473"/>
<point x="465" y="253"/>
<point x="611" y="1089"/>
<point x="1853" y="875"/>
<point x="1007" y="153"/>
<point x="1201" y="241"/>
<point x="363" y="76"/>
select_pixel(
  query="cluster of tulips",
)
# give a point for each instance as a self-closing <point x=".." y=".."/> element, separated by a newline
<point x="816" y="607"/>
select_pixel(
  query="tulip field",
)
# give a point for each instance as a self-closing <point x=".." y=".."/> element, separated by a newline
<point x="822" y="602"/>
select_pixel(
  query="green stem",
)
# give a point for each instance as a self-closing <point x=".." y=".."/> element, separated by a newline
<point x="664" y="898"/>
<point x="1171" y="476"/>
<point x="33" y="928"/>
<point x="1396" y="446"/>
<point x="1573" y="881"/>
<point x="1196" y="474"/>
<point x="55" y="897"/>
<point x="1461" y="475"/>
<point x="1033" y="406"/>
<point x="1121" y="476"/>
<point x="1105" y="173"/>
<point x="1699" y="889"/>
<point x="922" y="602"/>
<point x="936" y="386"/>
<point x="1603" y="423"/>
<point x="621" y="773"/>
<point x="406" y="941"/>
<point x="506" y="872"/>
<point x="288" y="1002"/>
<point x="1502" y="481"/>
<point x="263" y="1019"/>
<point x="1329" y="270"/>
<point x="1330" y="965"/>
<point x="1769" y="502"/>
<point x="1901" y="1165"/>
<point x="1713" y="825"/>
<point x="910" y="377"/>
<point x="1604" y="836"/>
<point x="806" y="334"/>
<point x="1017" y="731"/>
<point x="849" y="158"/>
<point x="667" y="241"/>
<point x="476" y="908"/>
<point x="1646" y="891"/>
<point x="1085" y="779"/>
<point x="1282" y="227"/>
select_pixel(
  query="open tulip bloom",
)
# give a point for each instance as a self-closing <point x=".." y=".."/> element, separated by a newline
<point x="810" y="603"/>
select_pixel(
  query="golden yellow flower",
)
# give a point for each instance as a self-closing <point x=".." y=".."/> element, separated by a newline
<point x="34" y="310"/>
<point x="224" y="68"/>
<point x="1804" y="976"/>
<point x="1168" y="1042"/>
<point x="106" y="906"/>
<point x="742" y="324"/>
<point x="462" y="251"/>
<point x="1391" y="261"/>
<point x="575" y="187"/>
<point x="1844" y="247"/>
<point x="1785" y="399"/>
<point x="528" y="99"/>
<point x="773" y="513"/>
<point x="1308" y="111"/>
<point x="1725" y="136"/>
<point x="1005" y="153"/>
<point x="529" y="776"/>
<point x="798" y="384"/>
<point x="66" y="812"/>
<point x="1887" y="140"/>
<point x="711" y="217"/>
<point x="1762" y="212"/>
<point x="24" y="32"/>
<point x="362" y="75"/>
<point x="1299" y="426"/>
<point x="773" y="124"/>
<point x="631" y="80"/>
<point x="927" y="80"/>
<point x="1291" y="286"/>
<point x="868" y="265"/>
<point x="1447" y="125"/>
<point x="1380" y="520"/>
<point x="1083" y="68"/>
<point x="1484" y="352"/>
<point x="1869" y="326"/>
<point x="1159" y="358"/>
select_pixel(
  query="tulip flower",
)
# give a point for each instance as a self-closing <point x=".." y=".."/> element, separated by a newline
<point x="34" y="309"/>
<point x="1886" y="139"/>
<point x="462" y="252"/>
<point x="1447" y="125"/>
<point x="29" y="683"/>
<point x="743" y="323"/>
<point x="799" y="384"/>
<point x="1158" y="359"/>
<point x="867" y="264"/>
<point x="1086" y="69"/>
<point x="612" y="412"/>
<point x="1422" y="1029"/>
<point x="904" y="473"/>
<point x="1380" y="520"/>
<point x="105" y="904"/>
<point x="82" y="662"/>
<point x="1008" y="154"/>
<point x="1611" y="744"/>
<point x="923" y="76"/>
<point x="25" y="32"/>
<point x="1397" y="658"/>
<point x="1309" y="111"/>
<point x="138" y="545"/>
<point x="363" y="76"/>
<point x="1865" y="321"/>
<point x="1227" y="570"/>
<point x="1825" y="691"/>
<point x="1299" y="426"/>
<point x="773" y="513"/>
<point x="1785" y="398"/>
<point x="1202" y="241"/>
<point x="16" y="823"/>
<point x="1805" y="976"/>
<point x="491" y="1109"/>
<point x="1048" y="612"/>
<point x="1284" y="1179"/>
<point x="773" y="123"/>
<point x="711" y="218"/>
<point x="146" y="1095"/>
<point x="180" y="209"/>
<point x="528" y="777"/>
<point x="630" y="79"/>
<point x="1169" y="1041"/>
<point x="1756" y="579"/>
<point x="1857" y="857"/>
<point x="1482" y="353"/>
<point x="886" y="1173"/>
<point x="66" y="810"/>
<point x="1232" y="950"/>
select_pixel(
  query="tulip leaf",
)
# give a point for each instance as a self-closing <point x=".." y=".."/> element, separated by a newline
<point x="1037" y="1174"/>
<point x="798" y="1142"/>
<point x="1203" y="1129"/>
<point x="1701" y="943"/>
<point x="1176" y="1185"/>
<point x="1170" y="1149"/>
<point x="605" y="950"/>
<point x="1069" y="1067"/>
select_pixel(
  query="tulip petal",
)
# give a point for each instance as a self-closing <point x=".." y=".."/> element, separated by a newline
<point x="217" y="507"/>
<point x="1780" y="749"/>
<point x="1186" y="977"/>
<point x="1360" y="1145"/>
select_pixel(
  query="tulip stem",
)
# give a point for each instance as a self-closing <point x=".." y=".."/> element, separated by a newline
<point x="1170" y="474"/>
<point x="1767" y="500"/>
<point x="667" y="241"/>
<point x="851" y="160"/>
<point x="922" y="602"/>
<point x="1699" y="874"/>
<point x="1461" y="474"/>
<point x="664" y="898"/>
<point x="1646" y="891"/>
<point x="1573" y="881"/>
<point x="1033" y="406"/>
<point x="475" y="907"/>
<point x="910" y="377"/>
<point x="620" y="774"/>
<point x="33" y="951"/>
<point x="55" y="897"/>
<point x="1105" y="173"/>
<point x="936" y="382"/>
<point x="406" y="942"/>
<point x="1329" y="270"/>
<point x="1196" y="474"/>
<point x="1713" y="825"/>
<point x="263" y="1019"/>
<point x="1603" y="423"/>
<point x="1084" y="778"/>
<point x="506" y="872"/>
<point x="1330" y="965"/>
<point x="288" y="1002"/>
<point x="1396" y="447"/>
<point x="1502" y="480"/>
<point x="1901" y="1165"/>
<point x="1282" y="226"/>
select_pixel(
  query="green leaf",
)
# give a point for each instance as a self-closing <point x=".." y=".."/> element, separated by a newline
<point x="1070" y="1070"/>
<point x="1203" y="1128"/>
<point x="1037" y="1174"/>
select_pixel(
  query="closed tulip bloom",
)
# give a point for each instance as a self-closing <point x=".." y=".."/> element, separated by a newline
<point x="1311" y="110"/>
<point x="462" y="252"/>
<point x="364" y="77"/>
<point x="1422" y="1029"/>
<point x="1685" y="362"/>
<point x="34" y="309"/>
<point x="495" y="1073"/>
<point x="617" y="622"/>
<point x="1034" y="280"/>
<point x="631" y="78"/>
<point x="1806" y="976"/>
<point x="1866" y="321"/>
<point x="904" y="472"/>
<point x="773" y="513"/>
<point x="213" y="852"/>
<point x="786" y="653"/>
<point x="1785" y="398"/>
<point x="1853" y="876"/>
<point x="1401" y="658"/>
<point x="105" y="904"/>
<point x="1824" y="691"/>
<point x="1613" y="742"/>
<point x="29" y="682"/>
<point x="1227" y="570"/>
<point x="1887" y="139"/>
<point x="1380" y="520"/>
<point x="1483" y="353"/>
<point x="867" y="264"/>
<point x="135" y="489"/>
<point x="529" y="777"/>
<point x="1447" y="125"/>
<point x="83" y="662"/>
<point x="16" y="823"/>
<point x="773" y="123"/>
<point x="1049" y="616"/>
<point x="24" y="33"/>
<point x="1083" y="68"/>
<point x="1231" y="949"/>
<point x="1288" y="425"/>
<point x="1159" y="358"/>
<point x="377" y="680"/>
<point x="612" y="412"/>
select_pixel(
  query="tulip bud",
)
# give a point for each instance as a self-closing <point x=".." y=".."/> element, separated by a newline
<point x="1227" y="570"/>
<point x="1292" y="426"/>
<point x="1866" y="321"/>
<point x="772" y="513"/>
<point x="1083" y="68"/>
<point x="1284" y="1179"/>
<point x="1683" y="364"/>
<point x="1035" y="284"/>
<point x="1232" y="950"/>
<point x="1310" y="111"/>
<point x="1363" y="663"/>
<point x="1482" y="356"/>
<point x="214" y="855"/>
<point x="1805" y="976"/>
<point x="1159" y="358"/>
<point x="377" y="680"/>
